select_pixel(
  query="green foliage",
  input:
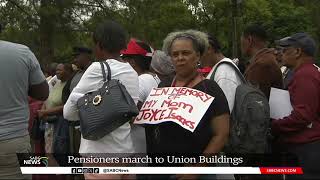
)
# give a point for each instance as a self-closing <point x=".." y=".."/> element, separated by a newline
<point x="52" y="27"/>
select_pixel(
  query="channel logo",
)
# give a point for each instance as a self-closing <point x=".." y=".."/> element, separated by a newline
<point x="36" y="160"/>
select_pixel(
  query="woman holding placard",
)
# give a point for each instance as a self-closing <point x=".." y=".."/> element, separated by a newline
<point x="211" y="133"/>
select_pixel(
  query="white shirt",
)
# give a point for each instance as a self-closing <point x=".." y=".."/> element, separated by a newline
<point x="118" y="141"/>
<point x="228" y="80"/>
<point x="146" y="83"/>
<point x="52" y="81"/>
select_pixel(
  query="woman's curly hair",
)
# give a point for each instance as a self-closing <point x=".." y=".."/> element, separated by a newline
<point x="199" y="40"/>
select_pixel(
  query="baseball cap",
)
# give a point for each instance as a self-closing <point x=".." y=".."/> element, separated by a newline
<point x="81" y="50"/>
<point x="133" y="48"/>
<point x="300" y="40"/>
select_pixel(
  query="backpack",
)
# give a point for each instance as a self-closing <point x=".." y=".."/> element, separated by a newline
<point x="249" y="120"/>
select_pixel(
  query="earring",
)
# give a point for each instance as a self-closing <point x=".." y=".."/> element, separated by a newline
<point x="198" y="64"/>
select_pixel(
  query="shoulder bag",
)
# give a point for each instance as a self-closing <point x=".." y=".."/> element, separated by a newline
<point x="104" y="110"/>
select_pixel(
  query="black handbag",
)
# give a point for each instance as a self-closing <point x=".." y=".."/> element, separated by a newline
<point x="35" y="132"/>
<point x="61" y="140"/>
<point x="105" y="109"/>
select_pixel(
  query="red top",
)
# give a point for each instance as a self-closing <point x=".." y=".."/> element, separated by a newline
<point x="205" y="71"/>
<point x="303" y="124"/>
<point x="34" y="106"/>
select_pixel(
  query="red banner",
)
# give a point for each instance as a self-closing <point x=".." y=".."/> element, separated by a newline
<point x="281" y="170"/>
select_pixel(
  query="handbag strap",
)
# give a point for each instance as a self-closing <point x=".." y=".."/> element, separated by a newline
<point x="104" y="71"/>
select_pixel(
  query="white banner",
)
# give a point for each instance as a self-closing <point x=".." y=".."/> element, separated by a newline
<point x="181" y="105"/>
<point x="141" y="170"/>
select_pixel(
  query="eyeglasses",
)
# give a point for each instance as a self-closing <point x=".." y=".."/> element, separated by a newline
<point x="281" y="50"/>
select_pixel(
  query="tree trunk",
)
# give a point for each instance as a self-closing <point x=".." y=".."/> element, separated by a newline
<point x="46" y="33"/>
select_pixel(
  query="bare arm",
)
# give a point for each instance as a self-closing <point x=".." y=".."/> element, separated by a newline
<point x="220" y="126"/>
<point x="52" y="111"/>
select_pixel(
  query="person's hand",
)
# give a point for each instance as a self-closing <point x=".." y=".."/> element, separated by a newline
<point x="132" y="120"/>
<point x="41" y="114"/>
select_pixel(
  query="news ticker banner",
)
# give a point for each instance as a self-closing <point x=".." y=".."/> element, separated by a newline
<point x="162" y="170"/>
<point x="159" y="160"/>
<point x="157" y="164"/>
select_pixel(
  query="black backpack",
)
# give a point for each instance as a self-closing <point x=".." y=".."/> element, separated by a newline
<point x="250" y="118"/>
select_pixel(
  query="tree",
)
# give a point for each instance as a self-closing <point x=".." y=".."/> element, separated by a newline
<point x="148" y="20"/>
<point x="48" y="27"/>
<point x="51" y="27"/>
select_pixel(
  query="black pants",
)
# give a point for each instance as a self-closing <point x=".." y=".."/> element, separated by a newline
<point x="309" y="159"/>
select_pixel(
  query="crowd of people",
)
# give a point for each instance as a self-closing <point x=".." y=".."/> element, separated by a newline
<point x="35" y="99"/>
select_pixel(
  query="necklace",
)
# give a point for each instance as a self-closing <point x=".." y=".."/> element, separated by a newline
<point x="174" y="82"/>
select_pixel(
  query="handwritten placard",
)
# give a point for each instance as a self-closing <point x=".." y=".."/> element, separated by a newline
<point x="181" y="105"/>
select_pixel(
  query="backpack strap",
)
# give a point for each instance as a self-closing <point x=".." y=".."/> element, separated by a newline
<point x="233" y="66"/>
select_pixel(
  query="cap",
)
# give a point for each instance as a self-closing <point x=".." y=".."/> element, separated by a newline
<point x="133" y="48"/>
<point x="81" y="50"/>
<point x="299" y="40"/>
